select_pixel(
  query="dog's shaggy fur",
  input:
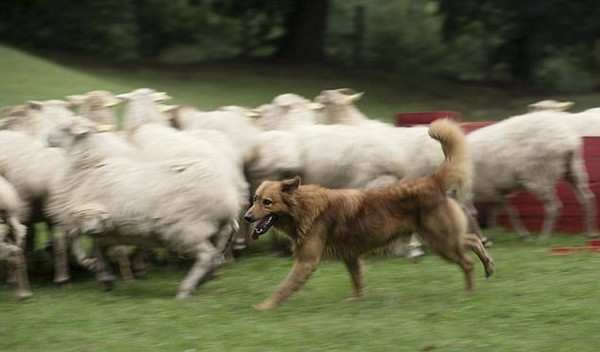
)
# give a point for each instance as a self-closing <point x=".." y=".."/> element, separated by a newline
<point x="348" y="223"/>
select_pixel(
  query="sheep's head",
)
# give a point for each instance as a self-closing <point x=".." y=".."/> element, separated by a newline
<point x="91" y="218"/>
<point x="69" y="133"/>
<point x="94" y="100"/>
<point x="144" y="93"/>
<point x="551" y="105"/>
<point x="286" y="110"/>
<point x="55" y="111"/>
<point x="341" y="96"/>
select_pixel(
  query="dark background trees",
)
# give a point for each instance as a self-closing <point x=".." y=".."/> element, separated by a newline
<point x="555" y="42"/>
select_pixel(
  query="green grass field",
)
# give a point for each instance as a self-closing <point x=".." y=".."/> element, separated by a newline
<point x="25" y="77"/>
<point x="535" y="302"/>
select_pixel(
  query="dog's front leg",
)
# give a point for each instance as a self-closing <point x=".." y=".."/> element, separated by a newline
<point x="307" y="257"/>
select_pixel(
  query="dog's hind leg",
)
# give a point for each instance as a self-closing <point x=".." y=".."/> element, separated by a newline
<point x="474" y="243"/>
<point x="307" y="257"/>
<point x="466" y="265"/>
<point x="355" y="268"/>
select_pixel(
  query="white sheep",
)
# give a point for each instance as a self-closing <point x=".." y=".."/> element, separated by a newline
<point x="287" y="111"/>
<point x="185" y="205"/>
<point x="531" y="152"/>
<point x="148" y="129"/>
<point x="33" y="169"/>
<point x="12" y="237"/>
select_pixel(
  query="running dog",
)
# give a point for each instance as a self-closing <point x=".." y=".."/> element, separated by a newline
<point x="348" y="223"/>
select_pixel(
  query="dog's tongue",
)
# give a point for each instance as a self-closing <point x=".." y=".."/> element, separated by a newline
<point x="263" y="225"/>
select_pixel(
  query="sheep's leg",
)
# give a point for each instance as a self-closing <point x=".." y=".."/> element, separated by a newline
<point x="515" y="220"/>
<point x="205" y="256"/>
<point x="82" y="257"/>
<point x="124" y="265"/>
<point x="552" y="207"/>
<point x="492" y="216"/>
<point x="578" y="178"/>
<point x="17" y="265"/>
<point x="103" y="272"/>
<point x="240" y="239"/>
<point x="11" y="275"/>
<point x="61" y="260"/>
<point x="30" y="238"/>
<point x="138" y="263"/>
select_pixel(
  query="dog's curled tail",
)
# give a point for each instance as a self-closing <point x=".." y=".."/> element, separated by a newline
<point x="456" y="171"/>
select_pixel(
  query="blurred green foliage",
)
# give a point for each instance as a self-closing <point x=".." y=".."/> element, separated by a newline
<point x="553" y="44"/>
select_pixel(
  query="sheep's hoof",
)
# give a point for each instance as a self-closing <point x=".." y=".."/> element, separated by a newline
<point x="183" y="295"/>
<point x="108" y="285"/>
<point x="61" y="280"/>
<point x="23" y="295"/>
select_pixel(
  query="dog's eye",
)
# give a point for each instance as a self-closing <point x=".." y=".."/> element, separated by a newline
<point x="267" y="202"/>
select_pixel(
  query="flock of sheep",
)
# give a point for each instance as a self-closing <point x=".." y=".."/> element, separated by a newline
<point x="179" y="178"/>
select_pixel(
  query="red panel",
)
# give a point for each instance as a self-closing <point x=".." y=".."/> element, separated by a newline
<point x="407" y="119"/>
<point x="475" y="125"/>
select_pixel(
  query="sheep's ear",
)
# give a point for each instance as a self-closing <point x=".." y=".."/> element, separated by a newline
<point x="253" y="113"/>
<point x="160" y="96"/>
<point x="80" y="131"/>
<point x="77" y="99"/>
<point x="355" y="97"/>
<point x="316" y="106"/>
<point x="105" y="128"/>
<point x="66" y="104"/>
<point x="124" y="96"/>
<point x="566" y="105"/>
<point x="35" y="104"/>
<point x="111" y="101"/>
<point x="168" y="109"/>
<point x="290" y="185"/>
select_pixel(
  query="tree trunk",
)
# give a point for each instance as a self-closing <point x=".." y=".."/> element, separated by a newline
<point x="306" y="27"/>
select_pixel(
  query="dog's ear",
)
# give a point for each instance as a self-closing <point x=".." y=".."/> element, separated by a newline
<point x="290" y="185"/>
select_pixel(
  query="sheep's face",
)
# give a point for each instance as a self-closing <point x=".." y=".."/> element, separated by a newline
<point x="92" y="221"/>
<point x="57" y="111"/>
<point x="268" y="204"/>
<point x="94" y="100"/>
<point x="68" y="134"/>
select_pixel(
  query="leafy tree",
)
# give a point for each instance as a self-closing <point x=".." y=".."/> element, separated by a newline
<point x="530" y="30"/>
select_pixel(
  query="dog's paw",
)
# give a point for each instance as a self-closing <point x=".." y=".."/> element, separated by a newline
<point x="265" y="305"/>
<point x="490" y="269"/>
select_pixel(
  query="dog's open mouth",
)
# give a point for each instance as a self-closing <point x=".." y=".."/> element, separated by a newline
<point x="263" y="225"/>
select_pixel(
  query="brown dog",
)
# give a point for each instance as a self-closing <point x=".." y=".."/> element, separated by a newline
<point x="349" y="223"/>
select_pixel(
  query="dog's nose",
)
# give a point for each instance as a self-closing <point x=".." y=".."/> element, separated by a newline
<point x="248" y="217"/>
